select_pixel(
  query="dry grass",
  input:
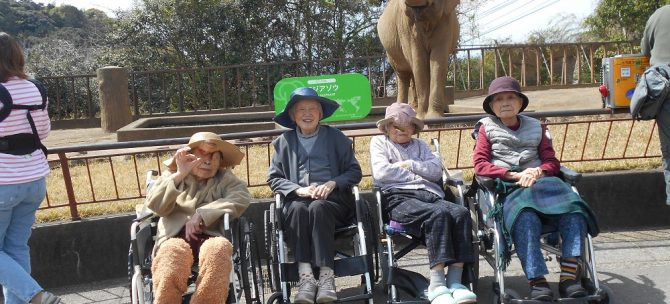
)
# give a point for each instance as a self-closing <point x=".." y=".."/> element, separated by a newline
<point x="571" y="145"/>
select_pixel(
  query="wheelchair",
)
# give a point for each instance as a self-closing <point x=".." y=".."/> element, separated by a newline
<point x="489" y="235"/>
<point x="412" y="283"/>
<point x="246" y="277"/>
<point x="283" y="274"/>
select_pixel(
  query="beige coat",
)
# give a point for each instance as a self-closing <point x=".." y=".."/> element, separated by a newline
<point x="176" y="203"/>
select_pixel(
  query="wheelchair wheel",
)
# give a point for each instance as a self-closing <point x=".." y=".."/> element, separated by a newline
<point x="250" y="270"/>
<point x="605" y="294"/>
<point x="371" y="235"/>
<point x="473" y="277"/>
<point x="276" y="298"/>
<point x="272" y="250"/>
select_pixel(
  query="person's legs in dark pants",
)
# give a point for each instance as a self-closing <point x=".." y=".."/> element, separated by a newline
<point x="325" y="216"/>
<point x="446" y="230"/>
<point x="310" y="227"/>
<point x="663" y="123"/>
<point x="298" y="235"/>
<point x="526" y="233"/>
<point x="572" y="228"/>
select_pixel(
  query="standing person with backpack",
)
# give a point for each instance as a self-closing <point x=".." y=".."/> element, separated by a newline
<point x="24" y="122"/>
<point x="656" y="44"/>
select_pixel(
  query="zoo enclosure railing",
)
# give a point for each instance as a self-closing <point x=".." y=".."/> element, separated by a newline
<point x="106" y="173"/>
<point x="226" y="88"/>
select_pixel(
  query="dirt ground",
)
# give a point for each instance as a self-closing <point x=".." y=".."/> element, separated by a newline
<point x="546" y="100"/>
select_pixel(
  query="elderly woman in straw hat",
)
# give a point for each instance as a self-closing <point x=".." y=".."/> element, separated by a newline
<point x="190" y="198"/>
<point x="408" y="174"/>
<point x="516" y="150"/>
<point x="313" y="167"/>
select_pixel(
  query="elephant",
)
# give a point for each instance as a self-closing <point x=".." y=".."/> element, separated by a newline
<point x="419" y="36"/>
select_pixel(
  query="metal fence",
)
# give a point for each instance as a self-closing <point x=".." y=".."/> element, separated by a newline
<point x="106" y="173"/>
<point x="192" y="90"/>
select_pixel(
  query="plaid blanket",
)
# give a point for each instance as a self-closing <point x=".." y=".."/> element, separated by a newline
<point x="548" y="196"/>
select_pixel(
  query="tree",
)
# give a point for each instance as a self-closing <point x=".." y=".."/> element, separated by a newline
<point x="561" y="29"/>
<point x="621" y="19"/>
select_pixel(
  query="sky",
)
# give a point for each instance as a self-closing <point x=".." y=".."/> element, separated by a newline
<point x="517" y="18"/>
<point x="500" y="19"/>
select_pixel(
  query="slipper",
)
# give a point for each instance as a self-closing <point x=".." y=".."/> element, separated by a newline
<point x="462" y="295"/>
<point x="441" y="295"/>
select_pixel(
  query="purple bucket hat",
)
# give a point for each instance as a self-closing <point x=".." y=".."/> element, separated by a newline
<point x="504" y="84"/>
<point x="398" y="111"/>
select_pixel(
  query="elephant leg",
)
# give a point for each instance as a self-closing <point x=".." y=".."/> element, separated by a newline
<point x="404" y="78"/>
<point x="412" y="98"/>
<point x="421" y="71"/>
<point x="439" y="64"/>
<point x="438" y="73"/>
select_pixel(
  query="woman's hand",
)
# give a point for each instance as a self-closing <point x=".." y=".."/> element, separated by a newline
<point x="185" y="161"/>
<point x="305" y="191"/>
<point x="405" y="164"/>
<point x="322" y="191"/>
<point x="194" y="227"/>
<point x="526" y="179"/>
<point x="534" y="172"/>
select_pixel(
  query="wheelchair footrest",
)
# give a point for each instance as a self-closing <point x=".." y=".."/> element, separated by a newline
<point x="559" y="300"/>
<point x="415" y="284"/>
<point x="351" y="266"/>
<point x="361" y="297"/>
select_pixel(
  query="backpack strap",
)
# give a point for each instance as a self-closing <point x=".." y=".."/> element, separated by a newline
<point x="8" y="106"/>
<point x="43" y="91"/>
<point x="7" y="102"/>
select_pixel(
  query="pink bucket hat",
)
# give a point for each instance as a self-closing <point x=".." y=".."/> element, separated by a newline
<point x="402" y="114"/>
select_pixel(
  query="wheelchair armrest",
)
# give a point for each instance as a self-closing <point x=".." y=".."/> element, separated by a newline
<point x="486" y="182"/>
<point x="454" y="182"/>
<point x="141" y="217"/>
<point x="569" y="176"/>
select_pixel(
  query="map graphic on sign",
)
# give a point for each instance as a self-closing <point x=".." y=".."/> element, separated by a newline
<point x="351" y="91"/>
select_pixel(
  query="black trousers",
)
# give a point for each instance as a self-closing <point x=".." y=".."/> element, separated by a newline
<point x="310" y="226"/>
<point x="446" y="226"/>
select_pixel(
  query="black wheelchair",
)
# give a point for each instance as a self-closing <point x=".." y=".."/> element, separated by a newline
<point x="414" y="284"/>
<point x="483" y="195"/>
<point x="246" y="277"/>
<point x="283" y="274"/>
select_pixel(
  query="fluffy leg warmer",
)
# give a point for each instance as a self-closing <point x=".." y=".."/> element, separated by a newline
<point x="214" y="275"/>
<point x="170" y="270"/>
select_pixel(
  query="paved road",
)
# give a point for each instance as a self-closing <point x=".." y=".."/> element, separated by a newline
<point x="634" y="264"/>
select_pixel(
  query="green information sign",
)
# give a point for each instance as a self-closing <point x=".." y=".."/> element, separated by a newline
<point x="351" y="91"/>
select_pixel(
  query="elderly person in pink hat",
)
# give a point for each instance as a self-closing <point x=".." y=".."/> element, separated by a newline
<point x="516" y="150"/>
<point x="190" y="197"/>
<point x="408" y="174"/>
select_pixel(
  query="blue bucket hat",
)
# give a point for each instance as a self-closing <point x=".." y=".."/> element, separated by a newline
<point x="328" y="106"/>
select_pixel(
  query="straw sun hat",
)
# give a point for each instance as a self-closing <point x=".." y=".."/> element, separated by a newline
<point x="231" y="155"/>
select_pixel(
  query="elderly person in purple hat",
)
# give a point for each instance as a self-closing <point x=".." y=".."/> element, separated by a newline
<point x="314" y="168"/>
<point x="517" y="150"/>
<point x="408" y="174"/>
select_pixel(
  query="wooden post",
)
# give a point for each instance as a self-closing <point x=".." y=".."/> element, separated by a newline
<point x="114" y="102"/>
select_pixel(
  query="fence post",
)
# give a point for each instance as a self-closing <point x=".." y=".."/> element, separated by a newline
<point x="114" y="102"/>
<point x="67" y="178"/>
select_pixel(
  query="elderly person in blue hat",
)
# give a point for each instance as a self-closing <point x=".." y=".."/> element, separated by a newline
<point x="409" y="174"/>
<point x="313" y="167"/>
<point x="517" y="150"/>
